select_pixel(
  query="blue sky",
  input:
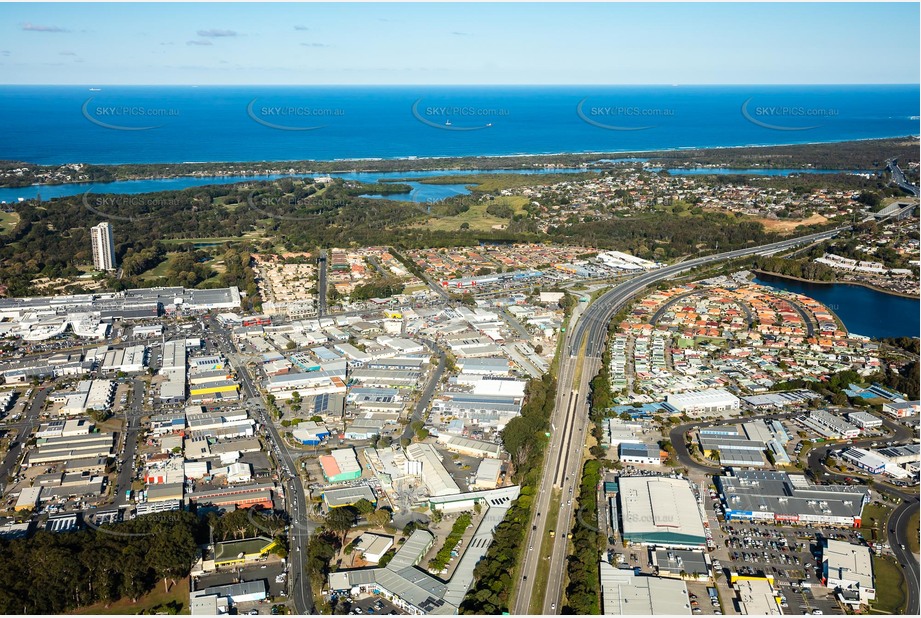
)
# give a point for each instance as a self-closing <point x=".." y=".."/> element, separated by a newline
<point x="308" y="44"/>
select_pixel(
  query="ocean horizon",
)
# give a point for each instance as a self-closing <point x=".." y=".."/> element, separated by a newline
<point x="183" y="124"/>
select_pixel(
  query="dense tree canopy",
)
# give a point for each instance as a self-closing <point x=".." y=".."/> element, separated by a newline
<point x="524" y="438"/>
<point x="53" y="573"/>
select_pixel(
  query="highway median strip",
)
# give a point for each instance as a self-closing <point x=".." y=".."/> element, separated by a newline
<point x="539" y="591"/>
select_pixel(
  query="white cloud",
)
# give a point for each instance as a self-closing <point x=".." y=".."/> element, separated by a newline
<point x="215" y="33"/>
<point x="30" y="27"/>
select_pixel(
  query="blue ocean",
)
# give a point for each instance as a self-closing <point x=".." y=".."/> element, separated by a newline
<point x="113" y="124"/>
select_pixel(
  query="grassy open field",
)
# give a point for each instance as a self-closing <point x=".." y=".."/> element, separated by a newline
<point x="414" y="288"/>
<point x="913" y="533"/>
<point x="477" y="217"/>
<point x="781" y="226"/>
<point x="679" y="208"/>
<point x="488" y="183"/>
<point x="875" y="517"/>
<point x="8" y="221"/>
<point x="717" y="341"/>
<point x="577" y="377"/>
<point x="160" y="269"/>
<point x="156" y="598"/>
<point x="891" y="597"/>
<point x="205" y="240"/>
<point x="211" y="240"/>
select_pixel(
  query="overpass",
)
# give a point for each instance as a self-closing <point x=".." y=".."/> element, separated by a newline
<point x="898" y="177"/>
<point x="894" y="212"/>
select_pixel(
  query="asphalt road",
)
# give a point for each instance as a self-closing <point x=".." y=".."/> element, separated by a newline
<point x="568" y="477"/>
<point x="24" y="428"/>
<point x="677" y="437"/>
<point x="594" y="324"/>
<point x="898" y="538"/>
<point x="515" y="324"/>
<point x="434" y="286"/>
<point x="898" y="434"/>
<point x="808" y="320"/>
<point x="301" y="527"/>
<point x="898" y="520"/>
<point x="133" y="414"/>
<point x="321" y="285"/>
<point x="429" y="390"/>
<point x="591" y="330"/>
<point x="563" y="420"/>
<point x="899" y="177"/>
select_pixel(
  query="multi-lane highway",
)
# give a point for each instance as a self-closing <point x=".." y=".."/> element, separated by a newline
<point x="595" y="323"/>
<point x="560" y="477"/>
<point x="899" y="177"/>
<point x="581" y="358"/>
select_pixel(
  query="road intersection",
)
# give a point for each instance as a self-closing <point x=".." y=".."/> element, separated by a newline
<point x="581" y="358"/>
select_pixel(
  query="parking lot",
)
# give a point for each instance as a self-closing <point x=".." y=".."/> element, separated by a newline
<point x="789" y="554"/>
<point x="260" y="461"/>
<point x="268" y="571"/>
<point x="374" y="605"/>
<point x="814" y="600"/>
<point x="785" y="554"/>
<point x="460" y="467"/>
<point x="701" y="603"/>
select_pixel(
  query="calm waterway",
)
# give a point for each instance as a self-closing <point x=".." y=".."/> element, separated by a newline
<point x="420" y="192"/>
<point x="864" y="311"/>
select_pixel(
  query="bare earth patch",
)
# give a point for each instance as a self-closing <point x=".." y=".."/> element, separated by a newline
<point x="788" y="225"/>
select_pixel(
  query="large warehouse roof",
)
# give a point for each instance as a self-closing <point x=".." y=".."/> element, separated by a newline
<point x="626" y="594"/>
<point x="414" y="585"/>
<point x="436" y="477"/>
<point x="722" y="442"/>
<point x="732" y="456"/>
<point x="348" y="495"/>
<point x="706" y="400"/>
<point x="660" y="510"/>
<point x="340" y="461"/>
<point x="848" y="562"/>
<point x="788" y="496"/>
